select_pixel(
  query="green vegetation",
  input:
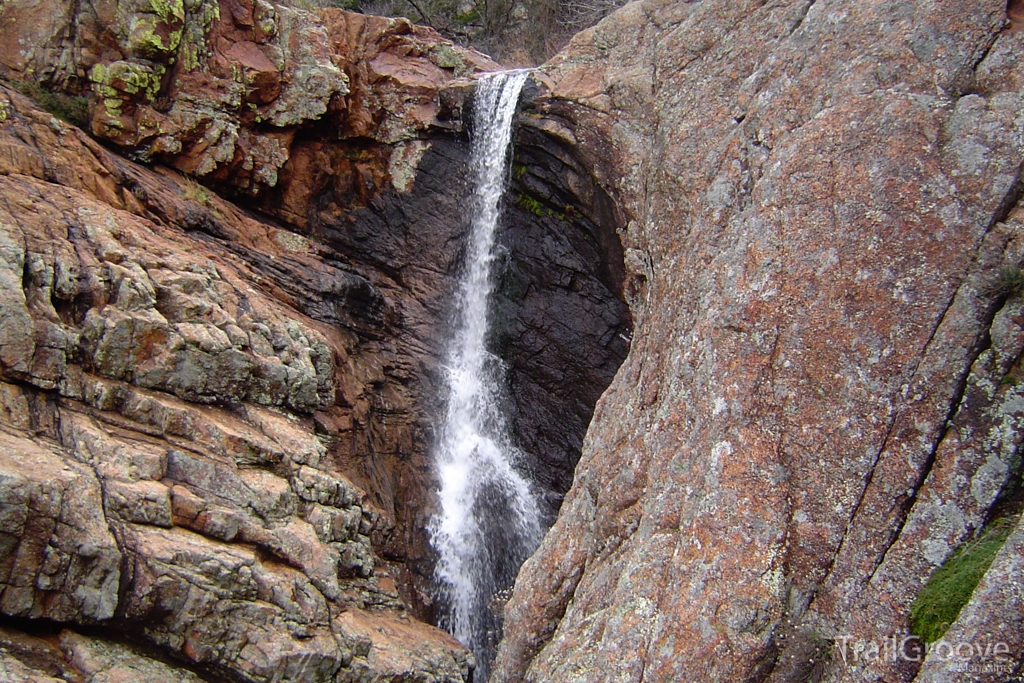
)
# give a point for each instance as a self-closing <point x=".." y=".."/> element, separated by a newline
<point x="951" y="586"/>
<point x="70" y="108"/>
<point x="535" y="207"/>
<point x="447" y="57"/>
<point x="193" y="191"/>
<point x="1008" y="281"/>
<point x="133" y="79"/>
<point x="199" y="20"/>
<point x="532" y="205"/>
<point x="466" y="18"/>
<point x="515" y="32"/>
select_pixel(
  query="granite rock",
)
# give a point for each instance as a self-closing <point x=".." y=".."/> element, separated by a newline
<point x="820" y="399"/>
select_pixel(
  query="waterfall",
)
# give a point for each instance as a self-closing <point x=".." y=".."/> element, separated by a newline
<point x="489" y="520"/>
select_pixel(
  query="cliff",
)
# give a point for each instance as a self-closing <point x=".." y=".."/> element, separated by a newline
<point x="822" y="229"/>
<point x="183" y="386"/>
<point x="224" y="304"/>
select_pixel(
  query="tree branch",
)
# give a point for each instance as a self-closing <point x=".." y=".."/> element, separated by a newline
<point x="423" y="15"/>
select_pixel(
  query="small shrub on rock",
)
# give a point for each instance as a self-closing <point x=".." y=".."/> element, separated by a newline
<point x="72" y="109"/>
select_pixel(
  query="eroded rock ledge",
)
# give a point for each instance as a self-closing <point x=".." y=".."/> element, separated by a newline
<point x="171" y="427"/>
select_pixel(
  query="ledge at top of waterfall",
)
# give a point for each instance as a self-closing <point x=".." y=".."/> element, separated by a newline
<point x="489" y="521"/>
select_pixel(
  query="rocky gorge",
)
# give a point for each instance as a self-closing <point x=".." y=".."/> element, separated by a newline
<point x="218" y="398"/>
<point x="777" y="244"/>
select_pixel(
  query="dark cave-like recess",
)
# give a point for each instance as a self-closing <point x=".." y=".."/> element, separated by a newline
<point x="560" y="320"/>
<point x="560" y="323"/>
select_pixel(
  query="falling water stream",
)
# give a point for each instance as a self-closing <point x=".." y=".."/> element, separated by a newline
<point x="489" y="521"/>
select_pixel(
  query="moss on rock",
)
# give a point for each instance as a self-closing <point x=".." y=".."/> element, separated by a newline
<point x="950" y="587"/>
<point x="447" y="57"/>
<point x="199" y="20"/>
<point x="155" y="33"/>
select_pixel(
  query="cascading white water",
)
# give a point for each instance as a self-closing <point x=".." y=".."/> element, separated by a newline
<point x="489" y="521"/>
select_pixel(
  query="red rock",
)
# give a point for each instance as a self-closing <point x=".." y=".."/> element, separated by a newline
<point x="157" y="393"/>
<point x="812" y="198"/>
<point x="205" y="96"/>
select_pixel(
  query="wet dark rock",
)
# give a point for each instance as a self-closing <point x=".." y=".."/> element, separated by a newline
<point x="216" y="419"/>
<point x="559" y="314"/>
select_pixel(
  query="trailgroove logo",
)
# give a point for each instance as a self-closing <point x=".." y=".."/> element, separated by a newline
<point x="992" y="654"/>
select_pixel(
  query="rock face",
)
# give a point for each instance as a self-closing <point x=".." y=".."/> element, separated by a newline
<point x="214" y="421"/>
<point x="558" y="310"/>
<point x="172" y="425"/>
<point x="222" y="91"/>
<point x="819" y="209"/>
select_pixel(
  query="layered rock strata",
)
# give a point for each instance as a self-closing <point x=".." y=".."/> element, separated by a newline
<point x="215" y="420"/>
<point x="171" y="425"/>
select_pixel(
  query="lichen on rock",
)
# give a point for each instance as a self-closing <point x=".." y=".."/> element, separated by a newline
<point x="813" y="198"/>
<point x="160" y="460"/>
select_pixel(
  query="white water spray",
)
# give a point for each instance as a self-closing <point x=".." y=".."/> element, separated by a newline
<point x="489" y="521"/>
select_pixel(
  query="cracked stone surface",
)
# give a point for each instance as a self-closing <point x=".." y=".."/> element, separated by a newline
<point x="173" y="435"/>
<point x="245" y="397"/>
<point x="219" y="89"/>
<point x="820" y="400"/>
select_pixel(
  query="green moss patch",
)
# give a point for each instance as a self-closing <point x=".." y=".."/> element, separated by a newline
<point x="534" y="206"/>
<point x="950" y="587"/>
<point x="127" y="77"/>
<point x="530" y="204"/>
<point x="448" y="57"/>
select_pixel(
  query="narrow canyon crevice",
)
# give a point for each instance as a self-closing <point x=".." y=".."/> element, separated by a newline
<point x="560" y="323"/>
